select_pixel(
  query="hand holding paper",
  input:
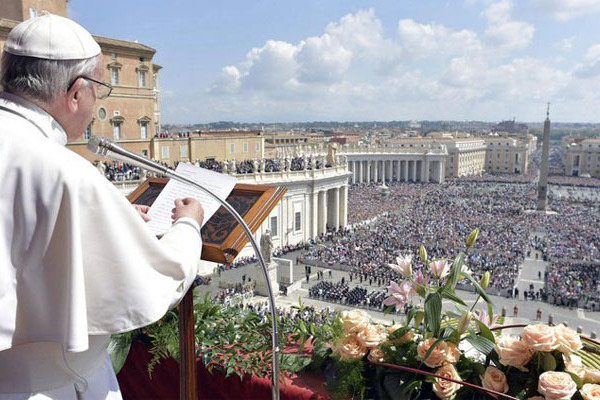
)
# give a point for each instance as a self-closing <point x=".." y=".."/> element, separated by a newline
<point x="220" y="184"/>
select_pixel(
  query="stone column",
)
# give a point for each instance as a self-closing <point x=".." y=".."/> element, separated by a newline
<point x="368" y="171"/>
<point x="343" y="206"/>
<point x="375" y="171"/>
<point x="398" y="164"/>
<point x="322" y="211"/>
<point x="353" y="169"/>
<point x="315" y="214"/>
<point x="336" y="208"/>
<point x="383" y="167"/>
<point x="414" y="171"/>
<point x="360" y="171"/>
<point x="425" y="171"/>
<point x="405" y="170"/>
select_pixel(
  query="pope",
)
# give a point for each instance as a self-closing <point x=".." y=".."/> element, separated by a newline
<point x="77" y="263"/>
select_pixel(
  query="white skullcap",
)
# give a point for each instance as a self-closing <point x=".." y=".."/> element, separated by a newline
<point x="52" y="38"/>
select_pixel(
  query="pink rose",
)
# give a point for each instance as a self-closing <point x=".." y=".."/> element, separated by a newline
<point x="568" y="339"/>
<point x="354" y="320"/>
<point x="376" y="355"/>
<point x="437" y="355"/>
<point x="349" y="349"/>
<point x="540" y="337"/>
<point x="590" y="392"/>
<point x="442" y="388"/>
<point x="536" y="398"/>
<point x="452" y="353"/>
<point x="556" y="385"/>
<point x="591" y="375"/>
<point x="494" y="379"/>
<point x="575" y="370"/>
<point x="372" y="335"/>
<point x="513" y="352"/>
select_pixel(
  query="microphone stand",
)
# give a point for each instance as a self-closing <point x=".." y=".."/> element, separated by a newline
<point x="104" y="147"/>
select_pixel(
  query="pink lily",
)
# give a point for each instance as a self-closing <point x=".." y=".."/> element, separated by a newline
<point x="400" y="294"/>
<point x="440" y="268"/>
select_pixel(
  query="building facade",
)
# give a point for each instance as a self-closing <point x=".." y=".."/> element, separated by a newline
<point x="506" y="155"/>
<point x="131" y="114"/>
<point x="582" y="157"/>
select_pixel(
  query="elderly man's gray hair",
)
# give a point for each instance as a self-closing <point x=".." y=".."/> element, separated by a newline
<point x="40" y="79"/>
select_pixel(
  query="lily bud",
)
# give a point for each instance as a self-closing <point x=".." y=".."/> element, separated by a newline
<point x="485" y="280"/>
<point x="472" y="237"/>
<point x="464" y="323"/>
<point x="423" y="254"/>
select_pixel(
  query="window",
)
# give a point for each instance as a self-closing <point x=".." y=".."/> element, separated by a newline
<point x="32" y="12"/>
<point x="142" y="78"/>
<point x="145" y="153"/>
<point x="245" y="147"/>
<point x="88" y="132"/>
<point x="257" y="147"/>
<point x="116" y="130"/>
<point x="274" y="226"/>
<point x="143" y="130"/>
<point x="232" y="148"/>
<point x="114" y="76"/>
<point x="102" y="113"/>
<point x="297" y="221"/>
<point x="165" y="152"/>
<point x="183" y="153"/>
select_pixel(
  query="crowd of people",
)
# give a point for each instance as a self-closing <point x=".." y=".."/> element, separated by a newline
<point x="441" y="217"/>
<point x="118" y="171"/>
<point x="569" y="283"/>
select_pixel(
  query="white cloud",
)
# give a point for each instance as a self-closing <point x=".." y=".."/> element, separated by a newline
<point x="503" y="31"/>
<point x="423" y="70"/>
<point x="427" y="40"/>
<point x="563" y="10"/>
<point x="590" y="67"/>
<point x="565" y="45"/>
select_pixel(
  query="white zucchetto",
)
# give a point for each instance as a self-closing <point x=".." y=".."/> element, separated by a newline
<point x="51" y="37"/>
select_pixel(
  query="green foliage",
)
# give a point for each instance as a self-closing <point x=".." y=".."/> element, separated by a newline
<point x="118" y="349"/>
<point x="433" y="313"/>
<point x="347" y="379"/>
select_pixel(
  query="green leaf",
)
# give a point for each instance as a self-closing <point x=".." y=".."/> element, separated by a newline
<point x="433" y="312"/>
<point x="480" y="343"/>
<point x="549" y="362"/>
<point x="576" y="379"/>
<point x="118" y="349"/>
<point x="388" y="310"/>
<point x="485" y="331"/>
<point x="419" y="315"/>
<point x="478" y="288"/>
<point x="448" y="294"/>
<point x="455" y="271"/>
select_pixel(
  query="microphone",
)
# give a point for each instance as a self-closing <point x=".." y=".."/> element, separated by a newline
<point x="104" y="147"/>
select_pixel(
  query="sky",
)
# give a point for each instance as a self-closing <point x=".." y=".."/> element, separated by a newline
<point x="351" y="60"/>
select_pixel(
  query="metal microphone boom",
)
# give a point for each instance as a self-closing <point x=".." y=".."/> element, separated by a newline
<point x="104" y="147"/>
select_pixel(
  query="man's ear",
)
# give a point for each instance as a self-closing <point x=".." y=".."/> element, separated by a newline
<point x="73" y="95"/>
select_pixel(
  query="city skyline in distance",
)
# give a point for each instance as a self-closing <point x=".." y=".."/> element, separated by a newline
<point x="365" y="61"/>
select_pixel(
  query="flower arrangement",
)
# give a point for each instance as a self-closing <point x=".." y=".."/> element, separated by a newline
<point x="454" y="354"/>
<point x="447" y="355"/>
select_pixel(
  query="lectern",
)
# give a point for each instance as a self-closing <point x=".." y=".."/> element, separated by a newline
<point x="222" y="240"/>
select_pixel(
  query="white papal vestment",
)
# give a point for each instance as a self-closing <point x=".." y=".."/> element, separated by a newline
<point x="76" y="263"/>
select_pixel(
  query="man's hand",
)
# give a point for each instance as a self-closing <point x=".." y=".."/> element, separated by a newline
<point x="188" y="207"/>
<point x="143" y="211"/>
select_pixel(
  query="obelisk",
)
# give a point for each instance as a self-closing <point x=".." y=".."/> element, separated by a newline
<point x="543" y="182"/>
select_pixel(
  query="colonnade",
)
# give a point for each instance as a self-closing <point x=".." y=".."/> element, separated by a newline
<point x="408" y="170"/>
<point x="329" y="208"/>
